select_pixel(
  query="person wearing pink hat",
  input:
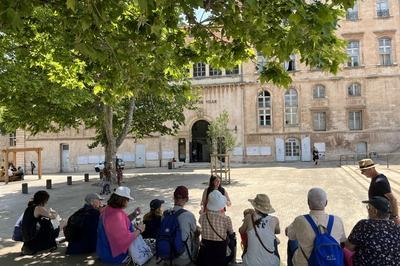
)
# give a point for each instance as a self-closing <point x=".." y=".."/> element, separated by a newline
<point x="115" y="230"/>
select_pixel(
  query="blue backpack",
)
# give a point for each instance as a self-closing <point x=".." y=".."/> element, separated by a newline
<point x="326" y="250"/>
<point x="169" y="244"/>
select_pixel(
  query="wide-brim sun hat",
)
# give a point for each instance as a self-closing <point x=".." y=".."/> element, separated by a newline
<point x="216" y="201"/>
<point x="123" y="192"/>
<point x="262" y="204"/>
<point x="366" y="164"/>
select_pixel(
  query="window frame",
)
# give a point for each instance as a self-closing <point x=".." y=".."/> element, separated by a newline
<point x="382" y="8"/>
<point x="352" y="119"/>
<point x="199" y="73"/>
<point x="233" y="71"/>
<point x="353" y="91"/>
<point x="291" y="102"/>
<point x="214" y="72"/>
<point x="352" y="12"/>
<point x="321" y="124"/>
<point x="353" y="53"/>
<point x="264" y="111"/>
<point x="12" y="139"/>
<point x="318" y="88"/>
<point x="383" y="51"/>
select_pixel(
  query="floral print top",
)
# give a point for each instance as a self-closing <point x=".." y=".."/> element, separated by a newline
<point x="377" y="242"/>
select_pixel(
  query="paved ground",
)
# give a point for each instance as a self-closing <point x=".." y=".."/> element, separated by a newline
<point x="286" y="184"/>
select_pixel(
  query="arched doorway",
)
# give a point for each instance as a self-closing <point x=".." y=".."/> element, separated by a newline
<point x="199" y="148"/>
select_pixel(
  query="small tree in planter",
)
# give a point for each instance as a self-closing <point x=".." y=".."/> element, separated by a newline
<point x="222" y="142"/>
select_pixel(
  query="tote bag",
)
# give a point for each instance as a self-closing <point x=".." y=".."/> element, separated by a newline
<point x="140" y="251"/>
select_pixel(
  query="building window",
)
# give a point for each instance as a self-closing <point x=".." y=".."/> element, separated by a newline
<point x="352" y="13"/>
<point x="319" y="91"/>
<point x="261" y="61"/>
<point x="215" y="71"/>
<point x="291" y="105"/>
<point x="354" y="89"/>
<point x="264" y="108"/>
<point x="353" y="51"/>
<point x="233" y="71"/>
<point x="319" y="121"/>
<point x="355" y="120"/>
<point x="13" y="139"/>
<point x="199" y="70"/>
<point x="385" y="51"/>
<point x="382" y="8"/>
<point x="291" y="64"/>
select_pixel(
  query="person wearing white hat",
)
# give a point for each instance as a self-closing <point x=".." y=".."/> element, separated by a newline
<point x="215" y="226"/>
<point x="260" y="228"/>
<point x="81" y="229"/>
<point x="379" y="186"/>
<point x="115" y="230"/>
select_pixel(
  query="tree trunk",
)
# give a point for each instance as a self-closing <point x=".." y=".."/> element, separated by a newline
<point x="110" y="147"/>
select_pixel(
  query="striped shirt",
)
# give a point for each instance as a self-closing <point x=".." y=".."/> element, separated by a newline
<point x="220" y="222"/>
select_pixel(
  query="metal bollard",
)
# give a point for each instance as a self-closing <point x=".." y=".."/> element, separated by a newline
<point x="48" y="183"/>
<point x="69" y="180"/>
<point x="24" y="188"/>
<point x="86" y="177"/>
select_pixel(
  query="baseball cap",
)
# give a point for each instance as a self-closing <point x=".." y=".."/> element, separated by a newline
<point x="156" y="203"/>
<point x="379" y="203"/>
<point x="92" y="196"/>
<point x="181" y="192"/>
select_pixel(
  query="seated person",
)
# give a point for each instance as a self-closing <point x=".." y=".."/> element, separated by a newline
<point x="260" y="228"/>
<point x="115" y="232"/>
<point x="152" y="220"/>
<point x="37" y="230"/>
<point x="81" y="229"/>
<point x="300" y="233"/>
<point x="2" y="173"/>
<point x="20" y="173"/>
<point x="376" y="240"/>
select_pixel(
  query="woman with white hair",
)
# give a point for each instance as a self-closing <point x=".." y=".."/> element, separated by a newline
<point x="260" y="228"/>
<point x="215" y="225"/>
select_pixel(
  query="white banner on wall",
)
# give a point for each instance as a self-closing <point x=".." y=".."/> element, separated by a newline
<point x="151" y="156"/>
<point x="252" y="151"/>
<point x="82" y="160"/>
<point x="95" y="159"/>
<point x="168" y="154"/>
<point x="128" y="157"/>
<point x="238" y="151"/>
<point x="265" y="150"/>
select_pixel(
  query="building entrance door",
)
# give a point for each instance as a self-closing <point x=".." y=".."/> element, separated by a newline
<point x="361" y="150"/>
<point x="140" y="154"/>
<point x="200" y="151"/>
<point x="292" y="149"/>
<point x="64" y="158"/>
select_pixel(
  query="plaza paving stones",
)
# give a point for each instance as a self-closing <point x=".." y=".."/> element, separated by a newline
<point x="286" y="184"/>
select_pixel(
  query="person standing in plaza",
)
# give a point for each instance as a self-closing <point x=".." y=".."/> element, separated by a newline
<point x="315" y="156"/>
<point x="379" y="186"/>
<point x="33" y="166"/>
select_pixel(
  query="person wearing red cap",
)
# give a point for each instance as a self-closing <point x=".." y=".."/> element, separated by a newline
<point x="188" y="226"/>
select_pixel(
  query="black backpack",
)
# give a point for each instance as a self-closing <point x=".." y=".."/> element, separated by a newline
<point x="75" y="226"/>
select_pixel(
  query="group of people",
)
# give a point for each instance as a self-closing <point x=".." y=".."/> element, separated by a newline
<point x="110" y="232"/>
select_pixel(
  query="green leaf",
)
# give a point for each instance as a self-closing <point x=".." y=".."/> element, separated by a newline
<point x="71" y="4"/>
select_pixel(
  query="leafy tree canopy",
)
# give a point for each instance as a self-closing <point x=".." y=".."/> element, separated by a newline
<point x="122" y="66"/>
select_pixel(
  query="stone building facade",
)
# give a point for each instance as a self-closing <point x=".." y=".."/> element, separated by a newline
<point x="353" y="112"/>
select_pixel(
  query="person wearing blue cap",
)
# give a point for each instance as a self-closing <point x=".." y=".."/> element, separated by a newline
<point x="152" y="219"/>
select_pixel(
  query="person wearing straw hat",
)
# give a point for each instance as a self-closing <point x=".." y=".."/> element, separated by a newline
<point x="260" y="228"/>
<point x="115" y="231"/>
<point x="300" y="233"/>
<point x="215" y="226"/>
<point x="379" y="186"/>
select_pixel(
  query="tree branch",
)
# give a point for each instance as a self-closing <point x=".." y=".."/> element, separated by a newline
<point x="127" y="122"/>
